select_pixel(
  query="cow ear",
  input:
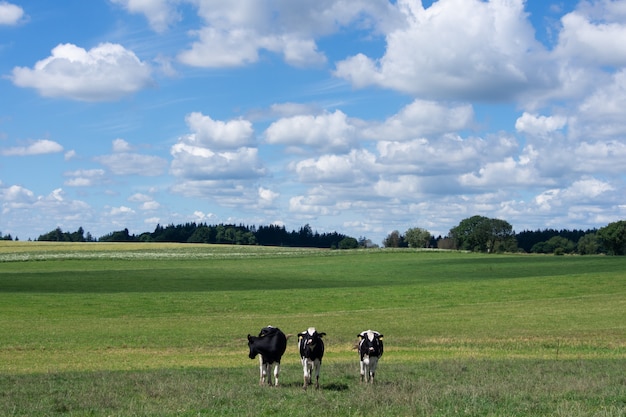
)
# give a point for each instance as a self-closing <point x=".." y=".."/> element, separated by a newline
<point x="322" y="334"/>
<point x="360" y="336"/>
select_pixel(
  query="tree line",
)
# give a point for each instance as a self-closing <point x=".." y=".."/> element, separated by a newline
<point x="483" y="234"/>
<point x="476" y="233"/>
<point x="271" y="235"/>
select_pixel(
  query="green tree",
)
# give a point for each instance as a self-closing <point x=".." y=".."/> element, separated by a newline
<point x="394" y="240"/>
<point x="613" y="237"/>
<point x="348" y="243"/>
<point x="416" y="237"/>
<point x="482" y="234"/>
<point x="588" y="244"/>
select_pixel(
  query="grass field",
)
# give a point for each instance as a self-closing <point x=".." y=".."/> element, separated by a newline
<point x="160" y="329"/>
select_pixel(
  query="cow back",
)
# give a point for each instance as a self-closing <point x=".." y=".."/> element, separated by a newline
<point x="271" y="344"/>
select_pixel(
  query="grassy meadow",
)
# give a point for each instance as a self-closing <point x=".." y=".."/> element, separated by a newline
<point x="112" y="329"/>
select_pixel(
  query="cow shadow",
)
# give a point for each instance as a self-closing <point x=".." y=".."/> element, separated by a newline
<point x="332" y="386"/>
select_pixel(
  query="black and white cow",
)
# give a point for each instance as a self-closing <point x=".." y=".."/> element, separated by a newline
<point x="311" y="348"/>
<point x="270" y="345"/>
<point x="370" y="350"/>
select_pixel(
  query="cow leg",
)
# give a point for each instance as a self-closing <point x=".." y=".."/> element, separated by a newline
<point x="307" y="372"/>
<point x="263" y="370"/>
<point x="363" y="370"/>
<point x="317" y="364"/>
<point x="276" y="373"/>
<point x="373" y="365"/>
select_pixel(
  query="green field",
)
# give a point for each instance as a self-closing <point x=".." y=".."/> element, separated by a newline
<point x="160" y="329"/>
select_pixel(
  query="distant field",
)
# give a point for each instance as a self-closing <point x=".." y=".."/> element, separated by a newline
<point x="160" y="329"/>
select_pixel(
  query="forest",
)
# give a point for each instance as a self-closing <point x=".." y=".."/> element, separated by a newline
<point x="476" y="234"/>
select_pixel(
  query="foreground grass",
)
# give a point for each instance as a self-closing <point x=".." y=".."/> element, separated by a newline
<point x="472" y="387"/>
<point x="159" y="329"/>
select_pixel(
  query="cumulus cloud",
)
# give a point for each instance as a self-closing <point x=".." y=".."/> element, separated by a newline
<point x="539" y="125"/>
<point x="439" y="53"/>
<point x="601" y="113"/>
<point x="500" y="174"/>
<point x="217" y="134"/>
<point x="120" y="145"/>
<point x="15" y="196"/>
<point x="328" y="131"/>
<point x="105" y="72"/>
<point x="235" y="32"/>
<point x="10" y="14"/>
<point x="123" y="162"/>
<point x="267" y="197"/>
<point x="449" y="154"/>
<point x="355" y="167"/>
<point x="160" y="13"/>
<point x="215" y="150"/>
<point x="84" y="177"/>
<point x="423" y="118"/>
<point x="37" y="147"/>
<point x="200" y="163"/>
<point x="594" y="34"/>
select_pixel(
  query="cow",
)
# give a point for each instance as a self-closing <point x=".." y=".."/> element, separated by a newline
<point x="270" y="345"/>
<point x="311" y="348"/>
<point x="370" y="350"/>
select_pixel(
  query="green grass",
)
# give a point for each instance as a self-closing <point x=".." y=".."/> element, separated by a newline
<point x="160" y="329"/>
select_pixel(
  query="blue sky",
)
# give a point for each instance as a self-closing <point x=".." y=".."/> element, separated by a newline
<point x="360" y="117"/>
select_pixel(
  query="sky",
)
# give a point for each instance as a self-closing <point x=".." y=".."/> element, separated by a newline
<point x="360" y="117"/>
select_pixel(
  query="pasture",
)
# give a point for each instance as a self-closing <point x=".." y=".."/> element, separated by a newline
<point x="100" y="329"/>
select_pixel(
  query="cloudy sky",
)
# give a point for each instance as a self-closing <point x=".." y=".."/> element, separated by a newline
<point x="360" y="116"/>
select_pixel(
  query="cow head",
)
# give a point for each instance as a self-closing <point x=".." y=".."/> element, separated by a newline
<point x="310" y="341"/>
<point x="371" y="343"/>
<point x="253" y="351"/>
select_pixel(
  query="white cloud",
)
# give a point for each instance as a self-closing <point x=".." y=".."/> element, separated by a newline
<point x="120" y="145"/>
<point x="356" y="167"/>
<point x="150" y="206"/>
<point x="501" y="174"/>
<point x="160" y="13"/>
<point x="10" y="14"/>
<point x="139" y="198"/>
<point x="198" y="163"/>
<point x="37" y="147"/>
<point x="133" y="164"/>
<point x="328" y="131"/>
<point x="307" y="205"/>
<point x="267" y="197"/>
<point x="121" y="210"/>
<point x="216" y="150"/>
<point x="216" y="134"/>
<point x="449" y="154"/>
<point x="236" y="31"/>
<point x="84" y="178"/>
<point x="439" y="53"/>
<point x="15" y="196"/>
<point x="601" y="114"/>
<point x="539" y="125"/>
<point x="423" y="118"/>
<point x="598" y="42"/>
<point x="105" y="72"/>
